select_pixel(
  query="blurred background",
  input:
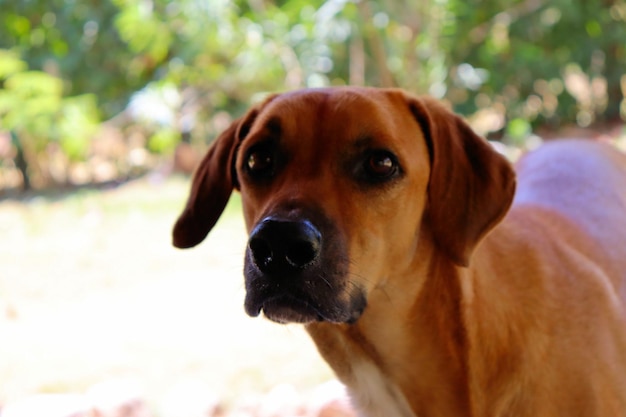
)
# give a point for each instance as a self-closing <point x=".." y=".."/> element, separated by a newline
<point x="106" y="107"/>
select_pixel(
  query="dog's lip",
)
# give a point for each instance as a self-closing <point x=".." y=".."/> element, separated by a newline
<point x="285" y="308"/>
<point x="289" y="308"/>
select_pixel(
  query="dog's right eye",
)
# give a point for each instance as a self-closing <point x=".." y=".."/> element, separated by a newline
<point x="260" y="163"/>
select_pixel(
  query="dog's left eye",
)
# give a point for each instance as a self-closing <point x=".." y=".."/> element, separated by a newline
<point x="381" y="165"/>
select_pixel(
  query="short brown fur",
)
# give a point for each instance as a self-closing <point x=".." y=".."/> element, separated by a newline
<point x="479" y="303"/>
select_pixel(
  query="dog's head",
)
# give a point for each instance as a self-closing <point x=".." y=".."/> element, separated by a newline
<point x="338" y="187"/>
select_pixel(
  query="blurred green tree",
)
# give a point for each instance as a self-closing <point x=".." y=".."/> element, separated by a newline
<point x="77" y="42"/>
<point x="548" y="63"/>
<point x="33" y="108"/>
<point x="58" y="56"/>
<point x="187" y="67"/>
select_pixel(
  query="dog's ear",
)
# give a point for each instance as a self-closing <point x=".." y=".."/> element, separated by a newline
<point x="212" y="184"/>
<point x="471" y="186"/>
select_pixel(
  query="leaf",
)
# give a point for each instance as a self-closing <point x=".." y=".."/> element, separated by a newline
<point x="34" y="83"/>
<point x="518" y="130"/>
<point x="10" y="63"/>
<point x="78" y="122"/>
<point x="164" y="141"/>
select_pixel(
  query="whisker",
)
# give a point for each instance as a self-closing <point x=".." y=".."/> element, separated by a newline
<point x="323" y="278"/>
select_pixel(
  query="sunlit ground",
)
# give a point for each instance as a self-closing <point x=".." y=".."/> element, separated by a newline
<point x="92" y="290"/>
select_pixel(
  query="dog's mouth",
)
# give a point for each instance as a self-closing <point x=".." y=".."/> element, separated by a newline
<point x="284" y="308"/>
<point x="300" y="307"/>
<point x="296" y="271"/>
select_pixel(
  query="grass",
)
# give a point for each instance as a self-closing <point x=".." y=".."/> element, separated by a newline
<point x="91" y="289"/>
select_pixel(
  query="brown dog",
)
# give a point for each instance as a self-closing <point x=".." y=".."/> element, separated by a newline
<point x="383" y="223"/>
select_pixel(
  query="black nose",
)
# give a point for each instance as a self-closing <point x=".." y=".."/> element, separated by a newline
<point x="284" y="246"/>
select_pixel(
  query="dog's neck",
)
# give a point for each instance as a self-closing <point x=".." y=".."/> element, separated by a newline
<point x="437" y="384"/>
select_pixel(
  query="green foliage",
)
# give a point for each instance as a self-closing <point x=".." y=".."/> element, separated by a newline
<point x="516" y="64"/>
<point x="33" y="105"/>
<point x="547" y="63"/>
<point x="10" y="64"/>
<point x="77" y="42"/>
<point x="143" y="31"/>
<point x="29" y="102"/>
<point x="518" y="130"/>
<point x="77" y="122"/>
<point x="163" y="140"/>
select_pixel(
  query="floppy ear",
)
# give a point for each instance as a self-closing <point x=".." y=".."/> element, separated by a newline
<point x="471" y="186"/>
<point x="212" y="184"/>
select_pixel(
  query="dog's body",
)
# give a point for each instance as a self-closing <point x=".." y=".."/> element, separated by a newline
<point x="378" y="220"/>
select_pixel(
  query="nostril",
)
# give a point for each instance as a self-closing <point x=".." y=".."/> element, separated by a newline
<point x="302" y="253"/>
<point x="282" y="246"/>
<point x="261" y="252"/>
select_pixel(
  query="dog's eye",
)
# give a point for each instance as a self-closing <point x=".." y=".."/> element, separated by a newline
<point x="381" y="165"/>
<point x="260" y="163"/>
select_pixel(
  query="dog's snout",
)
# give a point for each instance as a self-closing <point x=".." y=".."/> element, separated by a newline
<point x="282" y="246"/>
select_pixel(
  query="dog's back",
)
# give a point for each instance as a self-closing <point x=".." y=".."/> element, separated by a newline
<point x="558" y="265"/>
<point x="584" y="181"/>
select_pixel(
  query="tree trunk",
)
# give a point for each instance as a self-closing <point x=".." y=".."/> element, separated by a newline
<point x="377" y="45"/>
<point x="20" y="161"/>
